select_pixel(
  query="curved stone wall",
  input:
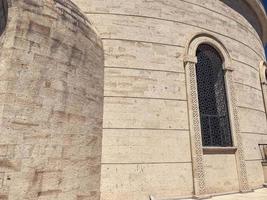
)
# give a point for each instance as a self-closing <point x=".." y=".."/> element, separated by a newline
<point x="51" y="73"/>
<point x="51" y="77"/>
<point x="246" y="13"/>
<point x="146" y="146"/>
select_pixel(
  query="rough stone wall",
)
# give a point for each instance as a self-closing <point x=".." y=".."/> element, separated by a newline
<point x="146" y="147"/>
<point x="51" y="100"/>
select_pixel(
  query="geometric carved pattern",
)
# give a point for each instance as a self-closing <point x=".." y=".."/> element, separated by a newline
<point x="195" y="131"/>
<point x="241" y="164"/>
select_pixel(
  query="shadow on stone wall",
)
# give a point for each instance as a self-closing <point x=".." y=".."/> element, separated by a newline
<point x="51" y="83"/>
<point x="245" y="10"/>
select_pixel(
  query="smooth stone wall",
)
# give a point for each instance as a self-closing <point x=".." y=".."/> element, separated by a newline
<point x="145" y="105"/>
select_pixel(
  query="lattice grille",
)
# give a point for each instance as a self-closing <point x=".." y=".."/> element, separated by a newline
<point x="214" y="117"/>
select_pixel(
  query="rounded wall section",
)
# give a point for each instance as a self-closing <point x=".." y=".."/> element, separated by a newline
<point x="145" y="103"/>
<point x="250" y="11"/>
<point x="51" y="77"/>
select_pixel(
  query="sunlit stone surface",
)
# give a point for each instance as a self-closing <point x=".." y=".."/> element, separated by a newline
<point x="95" y="99"/>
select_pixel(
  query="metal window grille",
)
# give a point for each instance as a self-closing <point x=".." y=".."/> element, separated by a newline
<point x="214" y="117"/>
<point x="3" y="15"/>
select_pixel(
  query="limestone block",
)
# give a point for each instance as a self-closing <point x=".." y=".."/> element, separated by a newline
<point x="124" y="27"/>
<point x="249" y="97"/>
<point x="141" y="29"/>
<point x="143" y="55"/>
<point x="153" y="35"/>
<point x="138" y="181"/>
<point x="237" y="10"/>
<point x="255" y="173"/>
<point x="142" y="146"/>
<point x="247" y="55"/>
<point x="252" y="121"/>
<point x="246" y="74"/>
<point x="144" y="113"/>
<point x="144" y="83"/>
<point x="51" y="87"/>
<point x="184" y="12"/>
<point x="221" y="173"/>
<point x="251" y="145"/>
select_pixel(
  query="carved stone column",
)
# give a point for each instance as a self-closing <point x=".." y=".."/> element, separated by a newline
<point x="237" y="139"/>
<point x="195" y="129"/>
<point x="263" y="76"/>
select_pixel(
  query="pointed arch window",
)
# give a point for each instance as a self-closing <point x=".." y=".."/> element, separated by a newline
<point x="213" y="106"/>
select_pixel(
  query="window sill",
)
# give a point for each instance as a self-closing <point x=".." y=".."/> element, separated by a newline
<point x="219" y="150"/>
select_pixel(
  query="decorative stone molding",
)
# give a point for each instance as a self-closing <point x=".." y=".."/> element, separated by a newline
<point x="263" y="72"/>
<point x="240" y="159"/>
<point x="263" y="79"/>
<point x="194" y="118"/>
<point x="219" y="150"/>
<point x="195" y="129"/>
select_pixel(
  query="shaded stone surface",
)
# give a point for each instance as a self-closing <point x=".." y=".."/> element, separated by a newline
<point x="51" y="102"/>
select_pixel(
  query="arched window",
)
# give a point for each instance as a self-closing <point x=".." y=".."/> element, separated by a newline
<point x="213" y="108"/>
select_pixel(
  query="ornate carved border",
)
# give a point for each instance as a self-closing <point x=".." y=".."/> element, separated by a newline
<point x="195" y="129"/>
<point x="263" y="68"/>
<point x="194" y="120"/>
<point x="240" y="159"/>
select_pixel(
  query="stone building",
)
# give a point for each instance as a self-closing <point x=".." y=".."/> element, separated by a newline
<point x="128" y="99"/>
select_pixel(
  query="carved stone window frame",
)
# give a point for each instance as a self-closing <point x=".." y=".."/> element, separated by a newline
<point x="263" y="68"/>
<point x="197" y="150"/>
<point x="263" y="80"/>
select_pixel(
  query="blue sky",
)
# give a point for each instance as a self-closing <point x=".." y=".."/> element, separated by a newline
<point x="265" y="4"/>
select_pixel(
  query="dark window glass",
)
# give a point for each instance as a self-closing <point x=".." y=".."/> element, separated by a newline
<point x="3" y="15"/>
<point x="213" y="108"/>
